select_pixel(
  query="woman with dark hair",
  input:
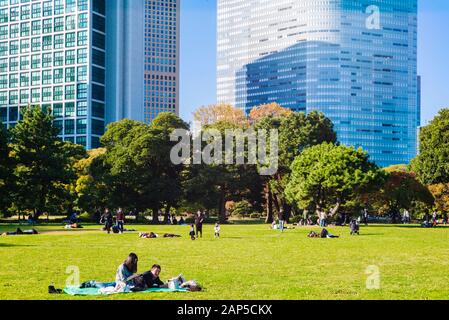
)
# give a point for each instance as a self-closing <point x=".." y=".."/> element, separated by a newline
<point x="122" y="278"/>
<point x="127" y="269"/>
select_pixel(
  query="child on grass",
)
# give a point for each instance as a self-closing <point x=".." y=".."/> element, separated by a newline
<point x="192" y="232"/>
<point x="217" y="230"/>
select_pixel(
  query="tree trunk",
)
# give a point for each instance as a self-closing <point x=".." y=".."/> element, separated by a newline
<point x="269" y="205"/>
<point x="287" y="212"/>
<point x="155" y="215"/>
<point x="222" y="207"/>
<point x="334" y="211"/>
<point x="167" y="213"/>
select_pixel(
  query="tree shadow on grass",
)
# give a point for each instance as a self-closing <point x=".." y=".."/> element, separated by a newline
<point x="9" y="245"/>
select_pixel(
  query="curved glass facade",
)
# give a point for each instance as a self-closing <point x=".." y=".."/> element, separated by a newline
<point x="356" y="61"/>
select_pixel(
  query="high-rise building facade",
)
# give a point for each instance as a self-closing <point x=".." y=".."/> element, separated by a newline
<point x="356" y="61"/>
<point x="86" y="60"/>
<point x="142" y="76"/>
<point x="161" y="57"/>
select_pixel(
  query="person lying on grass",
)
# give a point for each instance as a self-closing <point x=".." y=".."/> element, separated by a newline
<point x="324" y="234"/>
<point x="20" y="232"/>
<point x="153" y="235"/>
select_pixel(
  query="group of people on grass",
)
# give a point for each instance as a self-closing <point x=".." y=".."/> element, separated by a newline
<point x="128" y="280"/>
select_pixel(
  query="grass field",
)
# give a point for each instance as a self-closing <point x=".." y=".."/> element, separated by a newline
<point x="248" y="262"/>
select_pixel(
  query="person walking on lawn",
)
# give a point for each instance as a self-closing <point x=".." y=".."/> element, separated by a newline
<point x="107" y="219"/>
<point x="120" y="218"/>
<point x="199" y="220"/>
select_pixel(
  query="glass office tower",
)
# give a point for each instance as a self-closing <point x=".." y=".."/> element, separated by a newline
<point x="52" y="53"/>
<point x="87" y="60"/>
<point x="142" y="76"/>
<point x="161" y="57"/>
<point x="356" y="61"/>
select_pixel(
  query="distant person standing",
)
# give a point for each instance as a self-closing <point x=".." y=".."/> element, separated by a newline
<point x="199" y="220"/>
<point x="217" y="230"/>
<point x="406" y="216"/>
<point x="434" y="218"/>
<point x="322" y="217"/>
<point x="365" y="216"/>
<point x="120" y="220"/>
<point x="107" y="219"/>
<point x="281" y="220"/>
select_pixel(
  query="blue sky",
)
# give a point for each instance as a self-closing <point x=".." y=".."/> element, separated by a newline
<point x="198" y="55"/>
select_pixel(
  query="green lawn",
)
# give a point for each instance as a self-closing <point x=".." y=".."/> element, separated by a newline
<point x="248" y="262"/>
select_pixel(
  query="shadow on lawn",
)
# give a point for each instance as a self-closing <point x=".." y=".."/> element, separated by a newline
<point x="9" y="245"/>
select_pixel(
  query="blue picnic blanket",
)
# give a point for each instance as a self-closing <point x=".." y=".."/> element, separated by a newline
<point x="77" y="291"/>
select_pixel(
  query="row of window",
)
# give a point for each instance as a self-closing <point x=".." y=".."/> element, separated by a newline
<point x="47" y="77"/>
<point x="45" y="43"/>
<point x="25" y="29"/>
<point x="46" y="94"/>
<point x="37" y="10"/>
<point x="45" y="60"/>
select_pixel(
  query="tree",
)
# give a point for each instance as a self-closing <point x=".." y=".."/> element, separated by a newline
<point x="401" y="190"/>
<point x="6" y="169"/>
<point x="220" y="112"/>
<point x="440" y="192"/>
<point x="297" y="131"/>
<point x="91" y="187"/>
<point x="212" y="185"/>
<point x="42" y="162"/>
<point x="326" y="176"/>
<point x="431" y="165"/>
<point x="269" y="110"/>
<point x="141" y="174"/>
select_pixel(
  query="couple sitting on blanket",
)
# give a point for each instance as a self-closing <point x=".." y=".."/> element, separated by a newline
<point x="128" y="280"/>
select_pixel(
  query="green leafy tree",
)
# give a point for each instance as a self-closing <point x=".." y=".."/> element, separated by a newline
<point x="210" y="186"/>
<point x="42" y="162"/>
<point x="141" y="173"/>
<point x="326" y="176"/>
<point x="401" y="190"/>
<point x="92" y="190"/>
<point x="297" y="131"/>
<point x="432" y="165"/>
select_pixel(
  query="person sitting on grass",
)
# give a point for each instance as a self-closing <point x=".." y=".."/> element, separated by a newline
<point x="123" y="276"/>
<point x="192" y="232"/>
<point x="181" y="221"/>
<point x="354" y="226"/>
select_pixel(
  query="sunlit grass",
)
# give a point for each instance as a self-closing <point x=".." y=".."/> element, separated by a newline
<point x="247" y="262"/>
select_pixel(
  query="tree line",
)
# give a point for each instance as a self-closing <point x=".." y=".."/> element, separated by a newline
<point x="40" y="174"/>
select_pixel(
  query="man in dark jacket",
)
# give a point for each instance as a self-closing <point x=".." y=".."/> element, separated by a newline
<point x="199" y="220"/>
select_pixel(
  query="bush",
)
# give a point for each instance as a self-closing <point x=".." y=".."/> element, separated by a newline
<point x="242" y="208"/>
<point x="255" y="215"/>
<point x="295" y="219"/>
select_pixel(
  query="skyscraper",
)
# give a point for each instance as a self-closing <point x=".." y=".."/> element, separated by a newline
<point x="356" y="61"/>
<point x="87" y="61"/>
<point x="143" y="59"/>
